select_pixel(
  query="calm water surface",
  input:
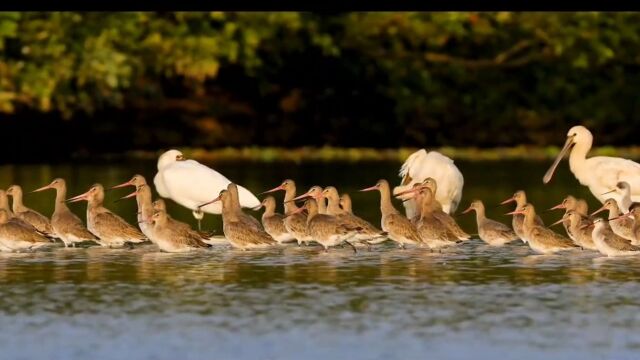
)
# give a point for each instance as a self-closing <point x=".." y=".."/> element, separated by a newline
<point x="293" y="302"/>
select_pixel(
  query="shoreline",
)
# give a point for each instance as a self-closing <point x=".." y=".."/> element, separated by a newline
<point x="328" y="154"/>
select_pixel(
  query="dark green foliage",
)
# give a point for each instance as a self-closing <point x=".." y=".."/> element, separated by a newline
<point x="354" y="79"/>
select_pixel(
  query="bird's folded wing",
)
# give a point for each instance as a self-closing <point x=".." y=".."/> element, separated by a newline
<point x="112" y="225"/>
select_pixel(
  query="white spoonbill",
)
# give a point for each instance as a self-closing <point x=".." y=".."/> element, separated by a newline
<point x="421" y="165"/>
<point x="599" y="173"/>
<point x="192" y="184"/>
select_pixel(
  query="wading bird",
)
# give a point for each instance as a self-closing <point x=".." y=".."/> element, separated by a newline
<point x="191" y="184"/>
<point x="599" y="173"/>
<point x="421" y="165"/>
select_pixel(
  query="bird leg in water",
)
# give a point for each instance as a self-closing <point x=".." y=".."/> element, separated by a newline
<point x="198" y="214"/>
<point x="352" y="246"/>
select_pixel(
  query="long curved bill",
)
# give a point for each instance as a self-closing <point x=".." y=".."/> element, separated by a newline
<point x="466" y="211"/>
<point x="589" y="224"/>
<point x="42" y="188"/>
<point x="78" y="197"/>
<point x="508" y="201"/>
<point x="567" y="145"/>
<point x="210" y="202"/>
<point x="609" y="192"/>
<point x="557" y="222"/>
<point x="277" y="188"/>
<point x="371" y="188"/>
<point x="124" y="184"/>
<point x="559" y="206"/>
<point x="307" y="195"/>
<point x="410" y="191"/>
<point x="297" y="211"/>
<point x="598" y="211"/>
<point x="621" y="216"/>
<point x="515" y="212"/>
<point x="128" y="196"/>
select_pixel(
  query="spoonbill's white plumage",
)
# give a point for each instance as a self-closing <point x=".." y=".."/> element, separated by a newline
<point x="600" y="174"/>
<point x="421" y="165"/>
<point x="191" y="184"/>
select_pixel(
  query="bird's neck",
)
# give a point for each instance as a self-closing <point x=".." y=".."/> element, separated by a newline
<point x="386" y="207"/>
<point x="322" y="206"/>
<point x="18" y="206"/>
<point x="578" y="157"/>
<point x="268" y="212"/>
<point x="289" y="205"/>
<point x="529" y="218"/>
<point x="614" y="211"/>
<point x="625" y="200"/>
<point x="480" y="215"/>
<point x="61" y="205"/>
<point x="333" y="206"/>
<point x="145" y="206"/>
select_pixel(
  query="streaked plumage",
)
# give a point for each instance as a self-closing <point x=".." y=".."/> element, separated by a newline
<point x="399" y="228"/>
<point x="541" y="239"/>
<point x="239" y="234"/>
<point x="14" y="237"/>
<point x="173" y="239"/>
<point x="520" y="198"/>
<point x="367" y="232"/>
<point x="490" y="231"/>
<point x="66" y="225"/>
<point x="160" y="205"/>
<point x="111" y="229"/>
<point x="431" y="230"/>
<point x="273" y="222"/>
<point x="621" y="226"/>
<point x="610" y="244"/>
<point x="39" y="221"/>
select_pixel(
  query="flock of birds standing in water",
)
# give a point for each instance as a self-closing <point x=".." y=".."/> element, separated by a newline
<point x="431" y="190"/>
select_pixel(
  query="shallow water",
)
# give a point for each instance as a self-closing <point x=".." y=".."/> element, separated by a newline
<point x="298" y="302"/>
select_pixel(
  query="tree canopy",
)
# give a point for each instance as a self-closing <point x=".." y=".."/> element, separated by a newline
<point x="349" y="79"/>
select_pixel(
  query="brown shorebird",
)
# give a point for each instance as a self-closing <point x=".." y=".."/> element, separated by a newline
<point x="541" y="239"/>
<point x="621" y="226"/>
<point x="145" y="208"/>
<point x="135" y="181"/>
<point x="582" y="234"/>
<point x="608" y="243"/>
<point x="399" y="228"/>
<point x="430" y="229"/>
<point x="238" y="232"/>
<point x="4" y="205"/>
<point x="316" y="193"/>
<point x="572" y="203"/>
<point x="368" y="232"/>
<point x="66" y="225"/>
<point x="160" y="205"/>
<point x="622" y="196"/>
<point x="173" y="239"/>
<point x="436" y="209"/>
<point x="490" y="231"/>
<point x="634" y="212"/>
<point x="326" y="229"/>
<point x="14" y="237"/>
<point x="520" y="198"/>
<point x="273" y="222"/>
<point x="110" y="228"/>
<point x="294" y="222"/>
<point x="39" y="221"/>
<point x="345" y="203"/>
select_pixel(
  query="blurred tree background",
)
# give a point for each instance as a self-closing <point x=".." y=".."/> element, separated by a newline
<point x="110" y="82"/>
